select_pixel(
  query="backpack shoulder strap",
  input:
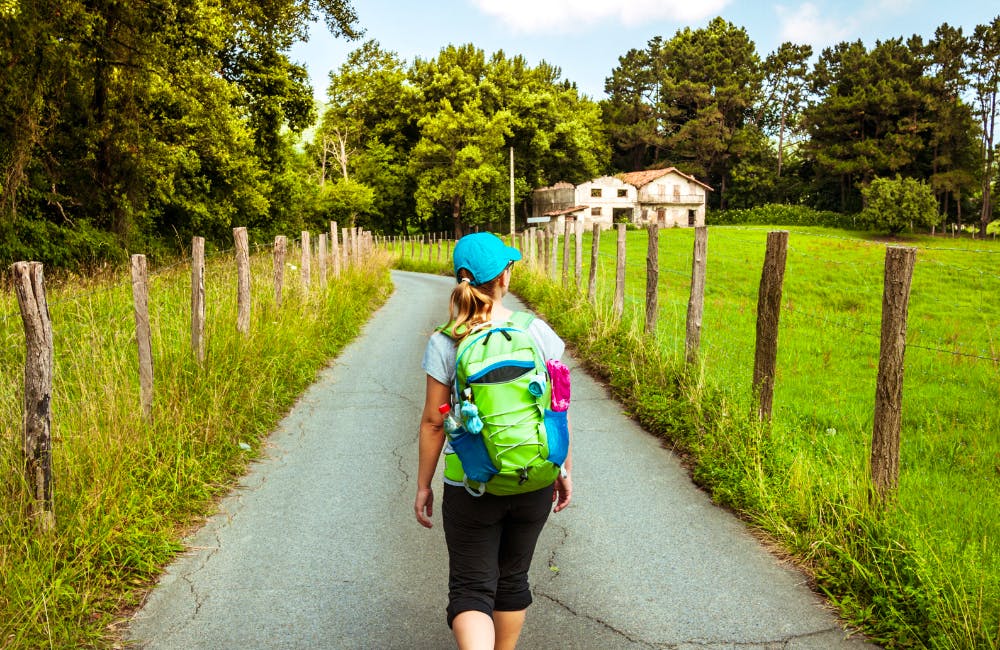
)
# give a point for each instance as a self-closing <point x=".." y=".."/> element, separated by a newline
<point x="521" y="319"/>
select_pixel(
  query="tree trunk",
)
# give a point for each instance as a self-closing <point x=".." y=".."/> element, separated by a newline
<point x="456" y="216"/>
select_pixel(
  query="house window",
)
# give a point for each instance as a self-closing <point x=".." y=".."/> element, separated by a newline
<point x="595" y="192"/>
<point x="661" y="190"/>
<point x="595" y="212"/>
<point x="622" y="193"/>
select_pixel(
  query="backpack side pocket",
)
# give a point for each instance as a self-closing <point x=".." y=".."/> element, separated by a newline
<point x="557" y="434"/>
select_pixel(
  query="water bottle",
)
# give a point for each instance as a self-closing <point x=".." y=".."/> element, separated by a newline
<point x="451" y="423"/>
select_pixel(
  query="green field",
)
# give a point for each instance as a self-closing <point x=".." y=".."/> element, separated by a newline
<point x="926" y="571"/>
<point x="126" y="490"/>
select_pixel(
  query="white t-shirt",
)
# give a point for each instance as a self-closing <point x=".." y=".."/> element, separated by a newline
<point x="439" y="356"/>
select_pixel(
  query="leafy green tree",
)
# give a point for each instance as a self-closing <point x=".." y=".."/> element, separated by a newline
<point x="896" y="204"/>
<point x="458" y="161"/>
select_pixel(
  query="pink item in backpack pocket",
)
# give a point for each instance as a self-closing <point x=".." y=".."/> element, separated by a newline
<point x="559" y="374"/>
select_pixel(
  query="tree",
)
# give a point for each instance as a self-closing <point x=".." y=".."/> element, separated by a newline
<point x="785" y="82"/>
<point x="870" y="117"/>
<point x="985" y="72"/>
<point x="895" y="204"/>
<point x="458" y="159"/>
<point x="952" y="139"/>
<point x="709" y="80"/>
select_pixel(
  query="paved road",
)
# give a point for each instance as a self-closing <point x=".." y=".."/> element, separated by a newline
<point x="318" y="548"/>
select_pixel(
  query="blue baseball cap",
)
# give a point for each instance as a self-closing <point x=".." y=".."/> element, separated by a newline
<point x="484" y="255"/>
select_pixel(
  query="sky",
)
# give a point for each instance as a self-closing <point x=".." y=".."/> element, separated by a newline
<point x="584" y="38"/>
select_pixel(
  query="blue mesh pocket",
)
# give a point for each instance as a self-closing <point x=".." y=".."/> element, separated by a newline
<point x="471" y="450"/>
<point x="557" y="433"/>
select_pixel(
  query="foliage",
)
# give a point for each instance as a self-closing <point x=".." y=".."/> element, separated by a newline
<point x="896" y="204"/>
<point x="434" y="140"/>
<point x="127" y="489"/>
<point x="780" y="215"/>
<point x="152" y="121"/>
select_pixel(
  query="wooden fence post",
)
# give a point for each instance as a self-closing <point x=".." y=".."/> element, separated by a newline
<point x="280" y="250"/>
<point x="322" y="260"/>
<point x="29" y="284"/>
<point x="618" y="306"/>
<point x="198" y="298"/>
<point x="889" y="388"/>
<point x="305" y="270"/>
<point x="143" y="337"/>
<point x="578" y="254"/>
<point x="595" y="251"/>
<point x="334" y="249"/>
<point x="345" y="242"/>
<point x="696" y="301"/>
<point x="768" y="313"/>
<point x="652" y="277"/>
<point x="554" y="253"/>
<point x="243" y="280"/>
<point x="567" y="238"/>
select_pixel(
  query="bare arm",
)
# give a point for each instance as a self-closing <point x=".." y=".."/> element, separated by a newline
<point x="430" y="444"/>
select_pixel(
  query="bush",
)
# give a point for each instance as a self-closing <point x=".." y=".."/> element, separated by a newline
<point x="894" y="204"/>
<point x="76" y="247"/>
<point x="778" y="214"/>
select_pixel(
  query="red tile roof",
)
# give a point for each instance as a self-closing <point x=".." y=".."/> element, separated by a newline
<point x="638" y="179"/>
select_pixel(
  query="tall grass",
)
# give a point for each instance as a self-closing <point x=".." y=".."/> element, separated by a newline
<point x="126" y="490"/>
<point x="924" y="572"/>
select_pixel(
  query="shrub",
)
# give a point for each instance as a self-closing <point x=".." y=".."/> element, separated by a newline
<point x="894" y="204"/>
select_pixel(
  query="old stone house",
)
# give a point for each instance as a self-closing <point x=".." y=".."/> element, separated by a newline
<point x="667" y="197"/>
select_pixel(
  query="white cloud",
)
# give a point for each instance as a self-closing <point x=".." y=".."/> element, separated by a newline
<point x="535" y="16"/>
<point x="807" y="23"/>
<point x="804" y="24"/>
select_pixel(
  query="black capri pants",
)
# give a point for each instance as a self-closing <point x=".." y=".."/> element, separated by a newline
<point x="491" y="540"/>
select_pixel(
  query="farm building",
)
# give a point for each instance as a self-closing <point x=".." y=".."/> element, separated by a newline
<point x="668" y="197"/>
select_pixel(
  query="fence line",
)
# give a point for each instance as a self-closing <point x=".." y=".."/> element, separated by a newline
<point x="31" y="296"/>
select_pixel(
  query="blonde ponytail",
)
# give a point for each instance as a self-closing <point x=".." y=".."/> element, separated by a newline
<point x="470" y="306"/>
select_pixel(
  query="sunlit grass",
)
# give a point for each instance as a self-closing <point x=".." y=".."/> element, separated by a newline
<point x="126" y="489"/>
<point x="925" y="572"/>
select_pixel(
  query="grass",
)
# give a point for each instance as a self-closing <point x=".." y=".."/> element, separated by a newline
<point x="923" y="571"/>
<point x="126" y="490"/>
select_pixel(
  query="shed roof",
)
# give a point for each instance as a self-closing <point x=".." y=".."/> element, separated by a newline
<point x="557" y="213"/>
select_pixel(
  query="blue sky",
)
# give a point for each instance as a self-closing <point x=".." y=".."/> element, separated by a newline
<point x="586" y="37"/>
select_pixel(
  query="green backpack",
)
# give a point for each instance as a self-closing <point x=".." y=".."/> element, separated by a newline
<point x="501" y="377"/>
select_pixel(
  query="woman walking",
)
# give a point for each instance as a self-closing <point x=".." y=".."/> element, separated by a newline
<point x="491" y="537"/>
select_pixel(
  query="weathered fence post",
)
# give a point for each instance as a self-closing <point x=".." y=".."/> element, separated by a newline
<point x="143" y="338"/>
<point x="29" y="284"/>
<point x="322" y="260"/>
<point x="889" y="388"/>
<point x="198" y="298"/>
<point x="554" y="253"/>
<point x="578" y="254"/>
<point x="334" y="249"/>
<point x="305" y="272"/>
<point x="345" y="242"/>
<point x="567" y="239"/>
<point x="768" y="313"/>
<point x="618" y="306"/>
<point x="696" y="301"/>
<point x="595" y="249"/>
<point x="652" y="278"/>
<point x="243" y="280"/>
<point x="280" y="249"/>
